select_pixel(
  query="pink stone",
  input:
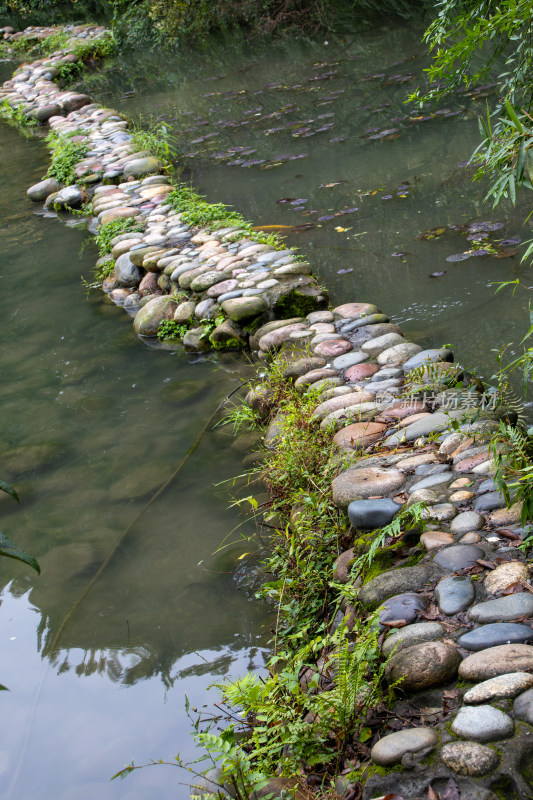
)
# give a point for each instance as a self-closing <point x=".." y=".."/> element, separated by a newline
<point x="358" y="435"/>
<point x="333" y="348"/>
<point x="468" y="464"/>
<point x="354" y="310"/>
<point x="360" y="371"/>
<point x="148" y="285"/>
<point x="222" y="288"/>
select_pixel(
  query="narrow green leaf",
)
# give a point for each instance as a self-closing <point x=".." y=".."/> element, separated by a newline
<point x="513" y="116"/>
<point x="6" y="487"/>
<point x="11" y="550"/>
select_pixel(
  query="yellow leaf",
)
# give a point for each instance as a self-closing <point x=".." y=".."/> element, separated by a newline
<point x="242" y="556"/>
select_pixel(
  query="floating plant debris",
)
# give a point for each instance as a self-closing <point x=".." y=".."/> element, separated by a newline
<point x="437" y="274"/>
<point x="344" y="271"/>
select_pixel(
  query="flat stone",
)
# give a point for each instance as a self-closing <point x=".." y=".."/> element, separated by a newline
<point x="468" y="464"/>
<point x="150" y="316"/>
<point x="472" y="537"/>
<point x="243" y="308"/>
<point x="402" y="607"/>
<point x="142" y="166"/>
<point x="428" y="357"/>
<point x="454" y="593"/>
<point x="336" y="403"/>
<point x="359" y="435"/>
<point x="349" y="360"/>
<point x="469" y="758"/>
<point x="523" y="707"/>
<point x="355" y="310"/>
<point x="503" y="609"/>
<point x="483" y="724"/>
<point x="506" y="516"/>
<point x="459" y="556"/>
<point x="497" y="661"/>
<point x="489" y="501"/>
<point x="423" y="666"/>
<point x="432" y="539"/>
<point x="431" y="469"/>
<point x="398" y="354"/>
<point x="504" y="575"/>
<point x="365" y="482"/>
<point x="461" y="497"/>
<point x="414" y="461"/>
<point x="440" y="512"/>
<point x="302" y="366"/>
<point x="435" y="423"/>
<point x="430" y="481"/>
<point x="275" y="338"/>
<point x="376" y="346"/>
<point x="416" y="633"/>
<point x="404" y="409"/>
<point x="392" y="748"/>
<point x="40" y="191"/>
<point x="494" y="634"/>
<point x="372" y="514"/>
<point x="500" y="687"/>
<point x="333" y="348"/>
<point x="360" y="372"/>
<point x="393" y="581"/>
<point x="467" y="521"/>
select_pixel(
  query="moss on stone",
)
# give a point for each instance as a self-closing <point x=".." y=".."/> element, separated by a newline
<point x="295" y="304"/>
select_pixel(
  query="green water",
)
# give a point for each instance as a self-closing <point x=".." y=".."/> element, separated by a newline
<point x="93" y="422"/>
<point x="323" y="102"/>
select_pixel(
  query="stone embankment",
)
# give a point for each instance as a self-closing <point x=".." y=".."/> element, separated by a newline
<point x="457" y="623"/>
<point x="457" y="619"/>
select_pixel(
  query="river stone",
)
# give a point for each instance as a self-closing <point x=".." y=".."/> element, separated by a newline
<point x="393" y="581"/>
<point x="335" y="403"/>
<point x="459" y="556"/>
<point x="489" y="501"/>
<point x="405" y="409"/>
<point x="506" y="516"/>
<point x="416" y="633"/>
<point x="440" y="512"/>
<point x="228" y="335"/>
<point x="341" y="567"/>
<point x="398" y="354"/>
<point x="206" y="280"/>
<point x="69" y="197"/>
<point x="349" y="360"/>
<point x="471" y="463"/>
<point x="44" y="113"/>
<point x="500" y="687"/>
<point x="126" y="273"/>
<point x="376" y="346"/>
<point x="402" y="607"/>
<point x="494" y="634"/>
<point x="427" y="357"/>
<point x="333" y="348"/>
<point x="149" y="317"/>
<point x="371" y="319"/>
<point x="307" y="380"/>
<point x="360" y="371"/>
<point x="523" y="706"/>
<point x="355" y="310"/>
<point x="244" y="308"/>
<point x="302" y="366"/>
<point x="358" y="435"/>
<point x="391" y="749"/>
<point x="432" y="539"/>
<point x="467" y="521"/>
<point x="142" y="166"/>
<point x="195" y="339"/>
<point x="415" y="461"/>
<point x="431" y="480"/>
<point x="365" y="482"/>
<point x="504" y="575"/>
<point x="454" y="593"/>
<point x="435" y="423"/>
<point x="469" y="758"/>
<point x="423" y="666"/>
<point x="483" y="724"/>
<point x="372" y="514"/>
<point x="497" y="660"/>
<point x="274" y="339"/>
<point x="503" y="609"/>
<point x="40" y="191"/>
<point x="122" y="212"/>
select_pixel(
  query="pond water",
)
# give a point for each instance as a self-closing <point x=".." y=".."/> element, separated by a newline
<point x="319" y="138"/>
<point x="94" y="421"/>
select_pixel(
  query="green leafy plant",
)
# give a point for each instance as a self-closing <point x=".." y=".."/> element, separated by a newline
<point x="159" y="140"/>
<point x="15" y="116"/>
<point x="171" y="331"/>
<point x="8" y="548"/>
<point x="66" y="155"/>
<point x="107" y="232"/>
